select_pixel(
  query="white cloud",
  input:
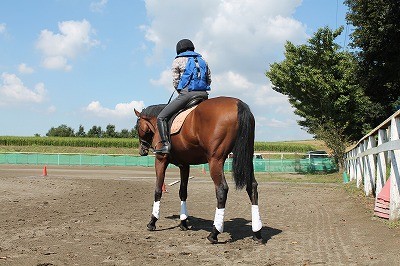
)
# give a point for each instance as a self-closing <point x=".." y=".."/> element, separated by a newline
<point x="13" y="91"/>
<point x="2" y="28"/>
<point x="273" y="122"/>
<point x="121" y="110"/>
<point x="265" y="95"/>
<point x="164" y="80"/>
<point x="58" y="48"/>
<point x="98" y="6"/>
<point x="228" y="83"/>
<point x="25" y="69"/>
<point x="56" y="62"/>
<point x="239" y="39"/>
<point x="51" y="109"/>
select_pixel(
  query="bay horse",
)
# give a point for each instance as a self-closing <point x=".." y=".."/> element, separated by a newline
<point x="217" y="127"/>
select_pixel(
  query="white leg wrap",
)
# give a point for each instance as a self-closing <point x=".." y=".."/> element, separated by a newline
<point x="256" y="223"/>
<point x="184" y="214"/>
<point x="219" y="219"/>
<point x="156" y="209"/>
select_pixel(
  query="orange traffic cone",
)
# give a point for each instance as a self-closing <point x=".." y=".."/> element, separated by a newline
<point x="204" y="170"/>
<point x="164" y="189"/>
<point x="45" y="171"/>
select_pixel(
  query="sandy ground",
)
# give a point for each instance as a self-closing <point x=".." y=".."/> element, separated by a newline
<point x="98" y="216"/>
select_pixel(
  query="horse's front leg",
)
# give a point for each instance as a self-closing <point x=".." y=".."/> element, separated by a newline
<point x="221" y="192"/>
<point x="161" y="166"/>
<point x="184" y="172"/>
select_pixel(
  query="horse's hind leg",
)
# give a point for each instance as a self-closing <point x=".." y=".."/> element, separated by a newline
<point x="161" y="166"/>
<point x="184" y="171"/>
<point x="256" y="223"/>
<point x="221" y="191"/>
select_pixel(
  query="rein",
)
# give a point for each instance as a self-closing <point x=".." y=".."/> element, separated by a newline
<point x="148" y="146"/>
<point x="170" y="98"/>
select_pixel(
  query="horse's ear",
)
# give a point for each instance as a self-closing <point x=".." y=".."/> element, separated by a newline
<point x="137" y="112"/>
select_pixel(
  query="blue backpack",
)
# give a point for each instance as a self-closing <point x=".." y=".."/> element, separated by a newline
<point x="195" y="75"/>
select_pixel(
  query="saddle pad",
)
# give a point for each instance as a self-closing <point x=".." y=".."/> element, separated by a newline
<point x="179" y="119"/>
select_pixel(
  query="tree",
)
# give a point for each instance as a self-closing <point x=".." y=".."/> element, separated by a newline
<point x="376" y="39"/>
<point x="134" y="132"/>
<point x="110" y="131"/>
<point x="81" y="132"/>
<point x="318" y="79"/>
<point x="124" y="133"/>
<point x="95" y="132"/>
<point x="60" y="131"/>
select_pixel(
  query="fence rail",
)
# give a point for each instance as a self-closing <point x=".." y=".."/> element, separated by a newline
<point x="299" y="163"/>
<point x="375" y="159"/>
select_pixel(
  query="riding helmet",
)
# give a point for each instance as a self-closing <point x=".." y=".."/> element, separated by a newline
<point x="184" y="45"/>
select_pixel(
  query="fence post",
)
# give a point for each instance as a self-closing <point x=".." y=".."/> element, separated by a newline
<point x="359" y="169"/>
<point x="394" y="172"/>
<point x="366" y="179"/>
<point x="353" y="164"/>
<point x="381" y="163"/>
<point x="369" y="166"/>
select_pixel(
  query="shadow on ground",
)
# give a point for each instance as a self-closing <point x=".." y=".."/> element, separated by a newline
<point x="237" y="228"/>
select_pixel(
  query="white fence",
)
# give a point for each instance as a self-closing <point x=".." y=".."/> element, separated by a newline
<point x="375" y="159"/>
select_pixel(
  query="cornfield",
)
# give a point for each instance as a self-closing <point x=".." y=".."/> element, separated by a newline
<point x="132" y="143"/>
<point x="283" y="147"/>
<point x="69" y="141"/>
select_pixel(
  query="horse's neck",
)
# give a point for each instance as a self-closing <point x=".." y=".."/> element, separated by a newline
<point x="153" y="122"/>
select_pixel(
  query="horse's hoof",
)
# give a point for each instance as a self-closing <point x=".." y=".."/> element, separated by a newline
<point x="183" y="225"/>
<point x="211" y="238"/>
<point x="151" y="227"/>
<point x="257" y="237"/>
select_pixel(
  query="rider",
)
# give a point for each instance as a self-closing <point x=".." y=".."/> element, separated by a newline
<point x="184" y="50"/>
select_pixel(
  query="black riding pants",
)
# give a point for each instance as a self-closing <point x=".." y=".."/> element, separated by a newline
<point x="179" y="103"/>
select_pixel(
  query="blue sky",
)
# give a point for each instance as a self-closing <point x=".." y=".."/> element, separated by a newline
<point x="90" y="62"/>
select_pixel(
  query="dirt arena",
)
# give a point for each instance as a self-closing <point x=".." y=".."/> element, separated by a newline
<point x="98" y="216"/>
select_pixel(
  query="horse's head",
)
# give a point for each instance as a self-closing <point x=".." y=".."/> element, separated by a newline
<point x="145" y="132"/>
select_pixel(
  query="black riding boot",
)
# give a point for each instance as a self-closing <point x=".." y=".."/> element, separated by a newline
<point x="163" y="130"/>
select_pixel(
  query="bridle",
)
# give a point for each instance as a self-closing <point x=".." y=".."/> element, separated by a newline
<point x="147" y="146"/>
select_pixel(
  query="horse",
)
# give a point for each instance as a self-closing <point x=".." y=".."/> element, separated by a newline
<point x="214" y="129"/>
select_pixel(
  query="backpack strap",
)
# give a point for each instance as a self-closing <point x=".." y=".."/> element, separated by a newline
<point x="187" y="75"/>
<point x="196" y="61"/>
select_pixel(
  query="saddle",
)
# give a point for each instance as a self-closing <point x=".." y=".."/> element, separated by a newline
<point x="176" y="121"/>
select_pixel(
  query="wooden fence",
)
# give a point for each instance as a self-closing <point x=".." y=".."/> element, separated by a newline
<point x="375" y="159"/>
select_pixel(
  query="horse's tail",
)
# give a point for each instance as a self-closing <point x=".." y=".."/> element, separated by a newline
<point x="242" y="165"/>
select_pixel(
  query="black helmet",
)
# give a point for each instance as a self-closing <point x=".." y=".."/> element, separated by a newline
<point x="184" y="45"/>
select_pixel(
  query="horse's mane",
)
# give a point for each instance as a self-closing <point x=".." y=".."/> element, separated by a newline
<point x="153" y="110"/>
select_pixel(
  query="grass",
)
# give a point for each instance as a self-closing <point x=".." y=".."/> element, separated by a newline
<point x="392" y="224"/>
<point x="299" y="178"/>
